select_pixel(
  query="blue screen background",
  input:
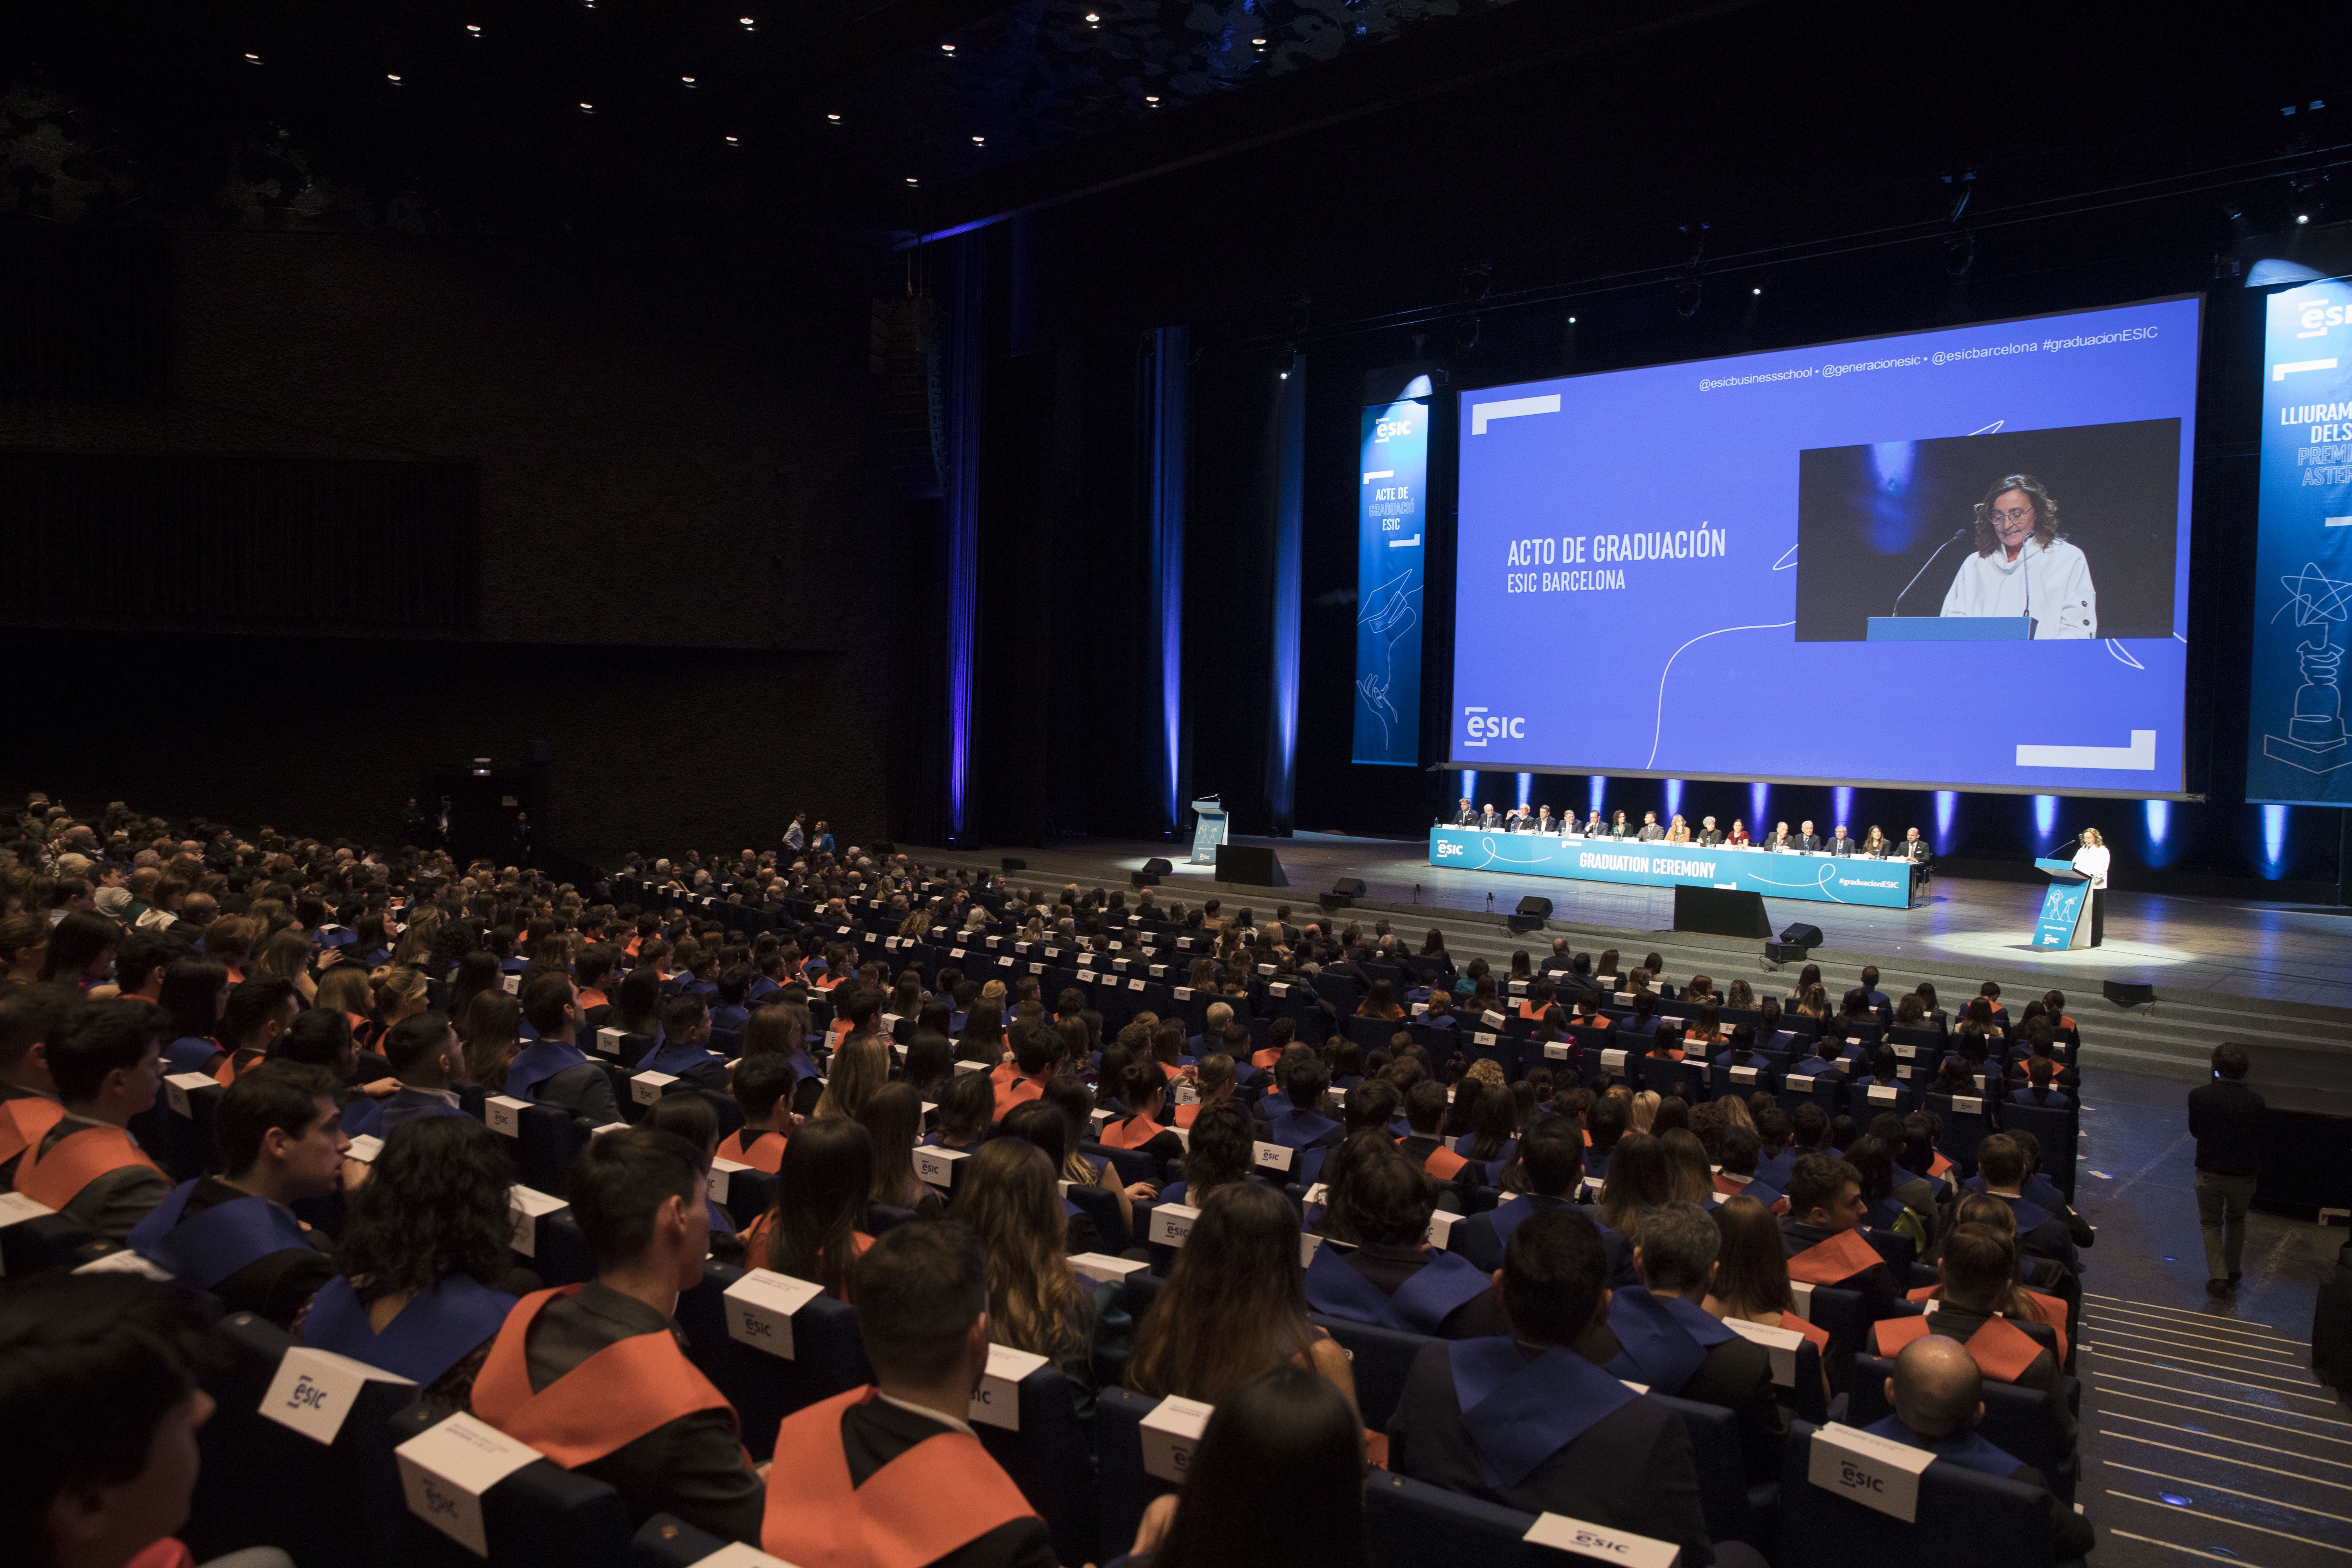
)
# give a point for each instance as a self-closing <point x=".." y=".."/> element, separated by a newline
<point x="1692" y="668"/>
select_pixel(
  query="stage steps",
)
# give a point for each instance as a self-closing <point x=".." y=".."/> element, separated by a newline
<point x="2171" y="1038"/>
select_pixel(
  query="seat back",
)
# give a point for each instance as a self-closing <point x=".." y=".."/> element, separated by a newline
<point x="2053" y="1126"/>
<point x="265" y="1484"/>
<point x="1838" y="1314"/>
<point x="828" y="1358"/>
<point x="1126" y="1487"/>
<point x="1722" y="1470"/>
<point x="1965" y="1518"/>
<point x="1100" y="1205"/>
<point x="1963" y="1130"/>
<point x="562" y="1257"/>
<point x="1380" y="1359"/>
<point x="1412" y="1524"/>
<point x="1050" y="1459"/>
<point x="38" y="1245"/>
<point x="1132" y="1164"/>
<point x="546" y="1138"/>
<point x="541" y="1516"/>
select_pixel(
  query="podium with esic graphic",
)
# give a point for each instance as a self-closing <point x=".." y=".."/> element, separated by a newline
<point x="2065" y="919"/>
<point x="1208" y="830"/>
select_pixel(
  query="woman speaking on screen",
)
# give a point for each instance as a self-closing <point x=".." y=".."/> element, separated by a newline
<point x="2023" y="568"/>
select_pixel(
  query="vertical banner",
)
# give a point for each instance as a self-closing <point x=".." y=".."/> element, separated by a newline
<point x="1392" y="544"/>
<point x="2297" y="749"/>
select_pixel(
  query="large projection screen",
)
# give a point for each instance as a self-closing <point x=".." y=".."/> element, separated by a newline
<point x="1814" y="566"/>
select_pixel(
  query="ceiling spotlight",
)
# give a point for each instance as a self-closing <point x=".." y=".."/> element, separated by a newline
<point x="1094" y="19"/>
<point x="980" y="141"/>
<point x="833" y="118"/>
<point x="391" y="79"/>
<point x="1756" y="291"/>
<point x="475" y="28"/>
<point x="731" y="142"/>
<point x="1571" y="320"/>
<point x="2303" y="217"/>
<point x="912" y="180"/>
<point x="252" y="60"/>
<point x="946" y="48"/>
<point x="587" y="109"/>
<point x="747" y="22"/>
<point x="1152" y="98"/>
<point x="688" y="80"/>
<point x="1259" y="42"/>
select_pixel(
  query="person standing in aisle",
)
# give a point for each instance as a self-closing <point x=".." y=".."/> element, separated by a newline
<point x="2225" y="1118"/>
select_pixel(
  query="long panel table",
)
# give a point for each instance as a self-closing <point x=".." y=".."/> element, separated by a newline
<point x="1821" y="878"/>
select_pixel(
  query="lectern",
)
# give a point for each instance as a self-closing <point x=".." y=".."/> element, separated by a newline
<point x="2065" y="920"/>
<point x="1208" y="831"/>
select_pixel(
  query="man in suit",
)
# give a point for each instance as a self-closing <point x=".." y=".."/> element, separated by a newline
<point x="933" y="1494"/>
<point x="424" y="1055"/>
<point x="1593" y="827"/>
<point x="1651" y="831"/>
<point x="1939" y="1399"/>
<point x="1806" y="838"/>
<point x="554" y="1069"/>
<point x="639" y="1417"/>
<point x="1779" y="838"/>
<point x="1915" y="849"/>
<point x="2225" y="1118"/>
<point x="1844" y="843"/>
<point x="685" y="1051"/>
<point x="2001" y="1162"/>
<point x="1490" y="818"/>
<point x="1708" y="834"/>
<point x="1665" y="1339"/>
<point x="1551" y="1157"/>
<point x="1466" y="816"/>
<point x="1823" y="1240"/>
<point x="1529" y="1421"/>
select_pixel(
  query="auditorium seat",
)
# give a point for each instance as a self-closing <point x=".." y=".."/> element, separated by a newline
<point x="36" y="1245"/>
<point x="546" y="1138"/>
<point x="2016" y="1419"/>
<point x="2056" y="1127"/>
<point x="541" y="1516"/>
<point x="1962" y="1131"/>
<point x="1051" y="1459"/>
<point x="1412" y="1524"/>
<point x="262" y="1483"/>
<point x="1963" y="1519"/>
<point x="1380" y="1359"/>
<point x="1735" y="1511"/>
<point x="1126" y="1487"/>
<point x="828" y="1357"/>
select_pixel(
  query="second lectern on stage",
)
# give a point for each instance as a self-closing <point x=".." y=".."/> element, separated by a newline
<point x="2065" y="920"/>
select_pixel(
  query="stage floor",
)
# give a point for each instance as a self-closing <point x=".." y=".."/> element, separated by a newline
<point x="2221" y="946"/>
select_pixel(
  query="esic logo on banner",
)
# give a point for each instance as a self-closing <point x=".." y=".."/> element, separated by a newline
<point x="1492" y="727"/>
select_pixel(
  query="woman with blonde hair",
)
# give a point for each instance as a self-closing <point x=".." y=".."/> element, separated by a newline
<point x="493" y="1034"/>
<point x="228" y="941"/>
<point x="1006" y="1195"/>
<point x="344" y="989"/>
<point x="860" y="1067"/>
<point x="1642" y="1111"/>
<point x="415" y="944"/>
<point x="286" y="955"/>
<point x="398" y="992"/>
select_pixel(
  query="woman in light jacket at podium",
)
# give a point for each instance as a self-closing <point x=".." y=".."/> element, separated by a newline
<point x="2090" y="860"/>
<point x="2024" y="567"/>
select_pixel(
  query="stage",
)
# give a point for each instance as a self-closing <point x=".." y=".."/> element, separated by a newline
<point x="2212" y="948"/>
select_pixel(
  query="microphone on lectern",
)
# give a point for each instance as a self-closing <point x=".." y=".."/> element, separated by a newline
<point x="1958" y="534"/>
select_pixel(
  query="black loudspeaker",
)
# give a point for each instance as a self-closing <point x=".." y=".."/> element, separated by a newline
<point x="1157" y="866"/>
<point x="1349" y="887"/>
<point x="1540" y="908"/>
<point x="1014" y="863"/>
<point x="1799" y="936"/>
<point x="1720" y="911"/>
<point x="1142" y="879"/>
<point x="1250" y="867"/>
<point x="1784" y="952"/>
<point x="2123" y="994"/>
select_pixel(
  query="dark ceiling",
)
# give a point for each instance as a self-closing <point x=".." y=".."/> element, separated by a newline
<point x="512" y="114"/>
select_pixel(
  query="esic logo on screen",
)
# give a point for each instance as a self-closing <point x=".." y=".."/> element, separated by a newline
<point x="2318" y="318"/>
<point x="1492" y="727"/>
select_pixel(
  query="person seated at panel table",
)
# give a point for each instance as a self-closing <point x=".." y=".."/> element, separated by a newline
<point x="1467" y="816"/>
<point x="1618" y="827"/>
<point x="1546" y="821"/>
<point x="1806" y="839"/>
<point x="1843" y="843"/>
<point x="1651" y="831"/>
<point x="1916" y="850"/>
<point x="1678" y="831"/>
<point x="1593" y="827"/>
<point x="1490" y="818"/>
<point x="1876" y="843"/>
<point x="1708" y="833"/>
<point x="1779" y="837"/>
<point x="1739" y="833"/>
<point x="1522" y="818"/>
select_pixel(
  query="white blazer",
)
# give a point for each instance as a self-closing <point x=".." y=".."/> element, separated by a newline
<point x="2052" y="585"/>
<point x="2091" y="859"/>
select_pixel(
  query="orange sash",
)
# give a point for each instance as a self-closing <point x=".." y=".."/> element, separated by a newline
<point x="1263" y="1061"/>
<point x="25" y="1122"/>
<point x="236" y="1065"/>
<point x="942" y="1494"/>
<point x="1839" y="1258"/>
<point x="1530" y="1011"/>
<point x="1185" y="1116"/>
<point x="766" y="1151"/>
<point x="2001" y="1351"/>
<point x="2051" y="1310"/>
<point x="1444" y="1164"/>
<point x="74" y="1161"/>
<point x="607" y="1402"/>
<point x="1729" y="1186"/>
<point x="1020" y="1091"/>
<point x="1819" y="1336"/>
<point x="1132" y="1133"/>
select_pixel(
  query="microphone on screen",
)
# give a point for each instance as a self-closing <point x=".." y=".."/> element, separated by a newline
<point x="1958" y="534"/>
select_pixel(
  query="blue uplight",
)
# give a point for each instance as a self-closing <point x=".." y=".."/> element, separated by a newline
<point x="1600" y="789"/>
<point x="2045" y="818"/>
<point x="1759" y="800"/>
<point x="1947" y="801"/>
<point x="1842" y="799"/>
<point x="2274" y="839"/>
<point x="1527" y="790"/>
<point x="1674" y="797"/>
<point x="2159" y="825"/>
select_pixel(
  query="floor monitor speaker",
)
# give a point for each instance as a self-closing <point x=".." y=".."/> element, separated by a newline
<point x="1250" y="866"/>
